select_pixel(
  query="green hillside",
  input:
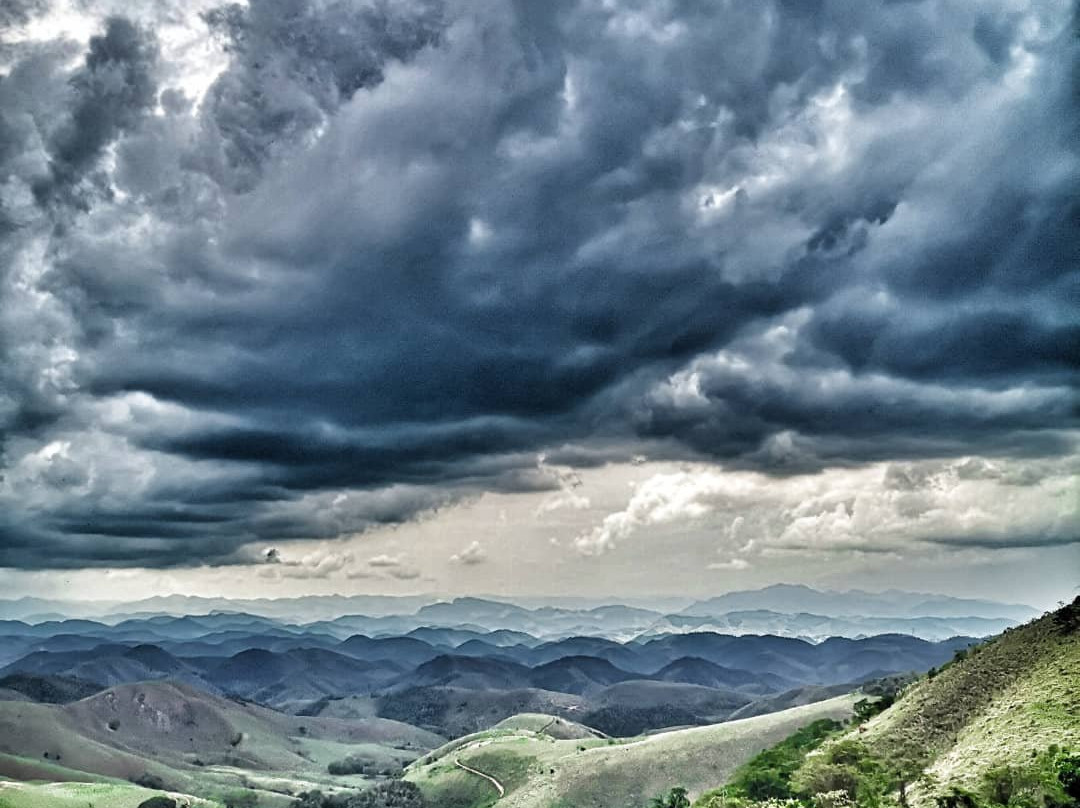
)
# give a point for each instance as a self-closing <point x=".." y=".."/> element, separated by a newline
<point x="998" y="726"/>
<point x="538" y="771"/>
<point x="1002" y="704"/>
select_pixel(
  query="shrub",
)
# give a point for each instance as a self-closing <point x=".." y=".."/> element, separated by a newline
<point x="240" y="799"/>
<point x="1067" y="618"/>
<point x="158" y="801"/>
<point x="866" y="709"/>
<point x="768" y="774"/>
<point x="833" y="799"/>
<point x="957" y="797"/>
<point x="719" y="798"/>
<point x="1045" y="782"/>
<point x="392" y="794"/>
<point x="676" y="798"/>
<point x="349" y="765"/>
<point x="1068" y="773"/>
<point x="151" y="781"/>
<point x="846" y="766"/>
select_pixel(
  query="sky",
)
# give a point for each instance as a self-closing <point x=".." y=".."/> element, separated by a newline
<point x="651" y="297"/>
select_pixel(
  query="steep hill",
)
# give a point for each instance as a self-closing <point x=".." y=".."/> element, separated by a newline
<point x="1007" y="699"/>
<point x="998" y="705"/>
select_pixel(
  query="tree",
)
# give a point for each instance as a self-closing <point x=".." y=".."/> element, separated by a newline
<point x="676" y="798"/>
<point x="764" y="784"/>
<point x="1068" y="773"/>
<point x="158" y="802"/>
<point x="391" y="794"/>
<point x="241" y="799"/>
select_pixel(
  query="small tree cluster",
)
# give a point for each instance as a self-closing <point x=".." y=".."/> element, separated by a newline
<point x="391" y="794"/>
<point x="676" y="798"/>
<point x="360" y="765"/>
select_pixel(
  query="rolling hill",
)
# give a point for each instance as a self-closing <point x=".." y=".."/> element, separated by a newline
<point x="538" y="771"/>
<point x="193" y="741"/>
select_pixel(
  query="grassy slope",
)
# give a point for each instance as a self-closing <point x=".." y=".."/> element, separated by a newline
<point x="1015" y="695"/>
<point x="560" y="729"/>
<point x="164" y="728"/>
<point x="546" y="773"/>
<point x="84" y="795"/>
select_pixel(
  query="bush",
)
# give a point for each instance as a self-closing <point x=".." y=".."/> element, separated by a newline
<point x="846" y="766"/>
<point x="240" y="799"/>
<point x="1068" y="773"/>
<point x="158" y="802"/>
<point x="368" y="766"/>
<point x="392" y="794"/>
<point x="957" y="797"/>
<point x="676" y="798"/>
<point x="350" y="765"/>
<point x="151" y="781"/>
<point x="768" y="774"/>
<point x="1067" y="618"/>
<point x="719" y="798"/>
<point x="1045" y="782"/>
<point x="866" y="709"/>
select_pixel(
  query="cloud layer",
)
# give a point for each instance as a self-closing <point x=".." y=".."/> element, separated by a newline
<point x="393" y="252"/>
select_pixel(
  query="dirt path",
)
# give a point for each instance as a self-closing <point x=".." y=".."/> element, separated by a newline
<point x="488" y="777"/>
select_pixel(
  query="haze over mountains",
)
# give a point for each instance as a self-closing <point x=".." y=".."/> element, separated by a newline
<point x="448" y="665"/>
<point x="783" y="609"/>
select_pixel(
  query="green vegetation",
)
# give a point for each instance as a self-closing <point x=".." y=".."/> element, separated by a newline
<point x="363" y="765"/>
<point x="676" y="798"/>
<point x="158" y="801"/>
<point x="993" y="728"/>
<point x="391" y="794"/>
<point x="240" y="799"/>
<point x="768" y="774"/>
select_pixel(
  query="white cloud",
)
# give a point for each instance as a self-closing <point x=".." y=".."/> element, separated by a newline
<point x="563" y="500"/>
<point x="318" y="564"/>
<point x="733" y="564"/>
<point x="473" y="554"/>
<point x="874" y="508"/>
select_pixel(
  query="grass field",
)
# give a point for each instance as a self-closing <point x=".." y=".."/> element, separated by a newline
<point x="542" y="772"/>
<point x="84" y="795"/>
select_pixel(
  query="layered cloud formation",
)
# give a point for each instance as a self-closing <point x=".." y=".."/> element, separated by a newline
<point x="385" y="254"/>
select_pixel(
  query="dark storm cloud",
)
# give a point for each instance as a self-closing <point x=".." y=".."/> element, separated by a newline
<point x="294" y="62"/>
<point x="112" y="92"/>
<point x="997" y="542"/>
<point x="20" y="12"/>
<point x="414" y="244"/>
